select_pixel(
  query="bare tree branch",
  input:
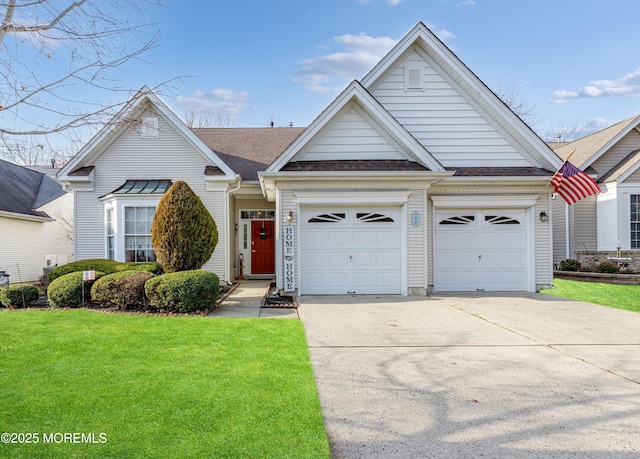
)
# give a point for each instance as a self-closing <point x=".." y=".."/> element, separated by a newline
<point x="58" y="58"/>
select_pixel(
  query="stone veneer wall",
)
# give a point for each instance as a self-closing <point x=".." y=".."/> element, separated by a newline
<point x="589" y="259"/>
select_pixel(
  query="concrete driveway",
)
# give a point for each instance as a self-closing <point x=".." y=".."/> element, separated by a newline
<point x="524" y="375"/>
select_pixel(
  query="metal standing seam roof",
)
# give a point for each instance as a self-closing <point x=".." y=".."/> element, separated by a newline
<point x="138" y="187"/>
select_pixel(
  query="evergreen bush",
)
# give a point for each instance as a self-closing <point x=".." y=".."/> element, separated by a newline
<point x="185" y="291"/>
<point x="66" y="291"/>
<point x="569" y="265"/>
<point x="608" y="267"/>
<point x="183" y="233"/>
<point x="19" y="295"/>
<point x="103" y="265"/>
<point x="123" y="289"/>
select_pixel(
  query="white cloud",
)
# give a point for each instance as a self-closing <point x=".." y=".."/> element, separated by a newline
<point x="628" y="85"/>
<point x="330" y="73"/>
<point x="394" y="2"/>
<point x="217" y="101"/>
<point x="466" y="3"/>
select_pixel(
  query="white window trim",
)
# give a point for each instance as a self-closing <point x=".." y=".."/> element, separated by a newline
<point x="119" y="204"/>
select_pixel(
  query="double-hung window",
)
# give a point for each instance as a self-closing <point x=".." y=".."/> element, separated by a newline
<point x="634" y="214"/>
<point x="137" y="233"/>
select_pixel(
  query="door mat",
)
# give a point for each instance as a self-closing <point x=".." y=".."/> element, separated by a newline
<point x="274" y="300"/>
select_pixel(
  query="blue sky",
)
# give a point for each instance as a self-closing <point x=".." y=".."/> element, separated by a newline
<point x="575" y="62"/>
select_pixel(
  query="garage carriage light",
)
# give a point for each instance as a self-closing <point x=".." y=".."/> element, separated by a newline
<point x="544" y="217"/>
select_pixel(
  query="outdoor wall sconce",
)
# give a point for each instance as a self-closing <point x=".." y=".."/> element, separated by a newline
<point x="289" y="217"/>
<point x="544" y="217"/>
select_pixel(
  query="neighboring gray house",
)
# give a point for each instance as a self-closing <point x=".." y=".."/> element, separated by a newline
<point x="592" y="229"/>
<point x="36" y="218"/>
<point x="416" y="178"/>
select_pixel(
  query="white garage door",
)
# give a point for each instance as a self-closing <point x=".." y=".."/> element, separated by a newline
<point x="350" y="251"/>
<point x="480" y="250"/>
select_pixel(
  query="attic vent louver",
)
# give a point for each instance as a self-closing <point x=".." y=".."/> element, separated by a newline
<point x="414" y="78"/>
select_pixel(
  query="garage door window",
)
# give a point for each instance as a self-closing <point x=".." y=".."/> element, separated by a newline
<point x="495" y="220"/>
<point x="459" y="220"/>
<point x="374" y="218"/>
<point x="327" y="218"/>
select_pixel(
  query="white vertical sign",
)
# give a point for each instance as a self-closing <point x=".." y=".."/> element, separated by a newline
<point x="289" y="258"/>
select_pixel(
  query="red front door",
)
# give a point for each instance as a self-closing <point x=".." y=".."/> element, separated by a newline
<point x="263" y="247"/>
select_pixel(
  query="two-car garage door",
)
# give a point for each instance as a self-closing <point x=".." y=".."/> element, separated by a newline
<point x="347" y="250"/>
<point x="481" y="250"/>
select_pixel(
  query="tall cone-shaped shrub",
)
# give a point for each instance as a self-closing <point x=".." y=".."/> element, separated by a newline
<point x="183" y="232"/>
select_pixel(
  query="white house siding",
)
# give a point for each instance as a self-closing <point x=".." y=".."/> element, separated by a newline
<point x="417" y="244"/>
<point x="585" y="225"/>
<point x="617" y="152"/>
<point x="543" y="250"/>
<point x="451" y="128"/>
<point x="559" y="222"/>
<point x="132" y="157"/>
<point x="351" y="137"/>
<point x="26" y="245"/>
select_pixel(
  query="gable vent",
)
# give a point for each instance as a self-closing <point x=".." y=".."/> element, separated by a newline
<point x="414" y="78"/>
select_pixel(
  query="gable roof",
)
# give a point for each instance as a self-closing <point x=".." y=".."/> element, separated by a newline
<point x="23" y="190"/>
<point x="248" y="150"/>
<point x="530" y="145"/>
<point x="355" y="93"/>
<point x="591" y="147"/>
<point x="131" y="110"/>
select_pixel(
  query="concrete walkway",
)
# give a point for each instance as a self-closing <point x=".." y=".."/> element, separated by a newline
<point x="497" y="376"/>
<point x="245" y="301"/>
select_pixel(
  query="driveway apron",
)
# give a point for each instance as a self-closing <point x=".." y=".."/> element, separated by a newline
<point x="492" y="375"/>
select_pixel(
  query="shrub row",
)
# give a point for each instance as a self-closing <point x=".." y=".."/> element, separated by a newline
<point x="103" y="265"/>
<point x="604" y="267"/>
<point x="185" y="291"/>
<point x="18" y="296"/>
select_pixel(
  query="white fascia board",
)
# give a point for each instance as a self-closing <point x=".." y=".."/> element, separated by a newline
<point x="33" y="218"/>
<point x="631" y="126"/>
<point x="531" y="181"/>
<point x="109" y="132"/>
<point x="425" y="39"/>
<point x="351" y="197"/>
<point x="351" y="176"/>
<point x="514" y="201"/>
<point x="356" y="91"/>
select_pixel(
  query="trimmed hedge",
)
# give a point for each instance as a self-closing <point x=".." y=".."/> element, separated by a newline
<point x="124" y="289"/>
<point x="13" y="296"/>
<point x="103" y="265"/>
<point x="66" y="291"/>
<point x="184" y="291"/>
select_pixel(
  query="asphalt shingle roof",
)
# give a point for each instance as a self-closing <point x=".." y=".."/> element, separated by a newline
<point x="23" y="190"/>
<point x="248" y="150"/>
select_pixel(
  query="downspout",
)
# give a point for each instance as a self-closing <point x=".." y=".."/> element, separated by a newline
<point x="227" y="246"/>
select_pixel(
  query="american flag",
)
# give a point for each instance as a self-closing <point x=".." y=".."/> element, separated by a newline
<point x="573" y="184"/>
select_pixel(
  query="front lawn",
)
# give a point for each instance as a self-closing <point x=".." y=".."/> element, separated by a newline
<point x="617" y="296"/>
<point x="86" y="384"/>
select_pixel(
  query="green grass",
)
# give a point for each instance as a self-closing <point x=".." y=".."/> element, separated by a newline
<point x="616" y="296"/>
<point x="158" y="386"/>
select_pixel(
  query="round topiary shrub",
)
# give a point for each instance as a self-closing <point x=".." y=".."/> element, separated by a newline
<point x="19" y="296"/>
<point x="66" y="291"/>
<point x="183" y="232"/>
<point x="97" y="264"/>
<point x="569" y="265"/>
<point x="124" y="289"/>
<point x="184" y="291"/>
<point x="608" y="267"/>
